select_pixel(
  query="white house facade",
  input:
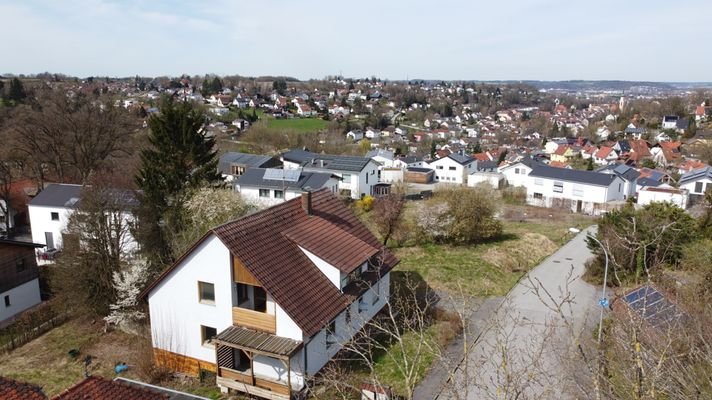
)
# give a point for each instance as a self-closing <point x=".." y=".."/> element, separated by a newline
<point x="267" y="187"/>
<point x="580" y="191"/>
<point x="51" y="209"/>
<point x="267" y="300"/>
<point x="453" y="169"/>
<point x="697" y="182"/>
<point x="49" y="213"/>
<point x="663" y="193"/>
<point x="358" y="175"/>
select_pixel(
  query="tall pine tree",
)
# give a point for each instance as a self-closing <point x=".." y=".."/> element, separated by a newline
<point x="180" y="158"/>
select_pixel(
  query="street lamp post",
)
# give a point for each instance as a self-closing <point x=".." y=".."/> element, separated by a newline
<point x="603" y="301"/>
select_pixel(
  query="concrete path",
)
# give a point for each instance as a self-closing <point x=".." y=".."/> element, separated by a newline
<point x="527" y="343"/>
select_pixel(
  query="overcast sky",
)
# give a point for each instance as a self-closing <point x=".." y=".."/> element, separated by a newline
<point x="656" y="40"/>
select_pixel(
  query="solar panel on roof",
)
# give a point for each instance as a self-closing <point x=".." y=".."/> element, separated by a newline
<point x="287" y="175"/>
<point x="653" y="307"/>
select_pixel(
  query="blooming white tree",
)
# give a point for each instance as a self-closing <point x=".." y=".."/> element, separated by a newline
<point x="125" y="311"/>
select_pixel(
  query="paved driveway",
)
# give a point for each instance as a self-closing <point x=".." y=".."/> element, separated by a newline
<point x="526" y="345"/>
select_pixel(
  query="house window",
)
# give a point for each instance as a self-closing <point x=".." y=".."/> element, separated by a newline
<point x="20" y="265"/>
<point x="206" y="292"/>
<point x="362" y="304"/>
<point x="264" y="192"/>
<point x="698" y="187"/>
<point x="439" y="167"/>
<point x="279" y="194"/>
<point x="538" y="182"/>
<point x="238" y="170"/>
<point x="55" y="216"/>
<point x="367" y="178"/>
<point x="242" y="293"/>
<point x="558" y="187"/>
<point x="7" y="301"/>
<point x="260" y="299"/>
<point x="538" y="196"/>
<point x="620" y="187"/>
<point x="346" y="178"/>
<point x="516" y="171"/>
<point x="452" y="168"/>
<point x="207" y="334"/>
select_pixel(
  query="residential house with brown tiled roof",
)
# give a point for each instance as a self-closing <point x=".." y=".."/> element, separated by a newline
<point x="605" y="155"/>
<point x="96" y="388"/>
<point x="13" y="390"/>
<point x="267" y="300"/>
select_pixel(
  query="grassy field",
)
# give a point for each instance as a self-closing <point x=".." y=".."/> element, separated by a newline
<point x="45" y="361"/>
<point x="296" y="124"/>
<point x="489" y="269"/>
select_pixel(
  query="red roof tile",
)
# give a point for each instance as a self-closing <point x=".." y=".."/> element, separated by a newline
<point x="317" y="236"/>
<point x="13" y="390"/>
<point x="96" y="388"/>
<point x="603" y="152"/>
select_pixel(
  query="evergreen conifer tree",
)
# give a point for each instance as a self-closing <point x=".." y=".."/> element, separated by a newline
<point x="180" y="158"/>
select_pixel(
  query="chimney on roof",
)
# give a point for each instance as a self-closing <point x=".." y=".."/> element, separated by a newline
<point x="307" y="200"/>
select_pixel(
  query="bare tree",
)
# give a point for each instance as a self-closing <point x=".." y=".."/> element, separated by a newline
<point x="387" y="214"/>
<point x="72" y="135"/>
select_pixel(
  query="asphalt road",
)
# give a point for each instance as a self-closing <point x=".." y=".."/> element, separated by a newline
<point x="527" y="344"/>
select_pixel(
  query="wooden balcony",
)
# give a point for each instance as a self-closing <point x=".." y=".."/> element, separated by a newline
<point x="246" y="383"/>
<point x="254" y="320"/>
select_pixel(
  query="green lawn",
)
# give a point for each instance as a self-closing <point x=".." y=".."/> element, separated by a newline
<point x="300" y="125"/>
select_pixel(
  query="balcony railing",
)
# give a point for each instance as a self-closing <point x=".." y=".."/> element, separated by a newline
<point x="254" y="320"/>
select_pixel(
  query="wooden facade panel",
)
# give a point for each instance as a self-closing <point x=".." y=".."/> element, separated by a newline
<point x="180" y="363"/>
<point x="235" y="376"/>
<point x="18" y="265"/>
<point x="275" y="387"/>
<point x="253" y="390"/>
<point x="254" y="320"/>
<point x="241" y="274"/>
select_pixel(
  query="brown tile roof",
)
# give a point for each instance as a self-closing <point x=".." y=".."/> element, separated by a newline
<point x="260" y="242"/>
<point x="639" y="148"/>
<point x="561" y="150"/>
<point x="13" y="390"/>
<point x="317" y="236"/>
<point x="604" y="151"/>
<point x="96" y="388"/>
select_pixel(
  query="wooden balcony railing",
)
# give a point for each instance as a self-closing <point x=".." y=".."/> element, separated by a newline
<point x="254" y="320"/>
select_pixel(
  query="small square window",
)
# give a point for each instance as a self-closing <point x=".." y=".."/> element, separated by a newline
<point x="207" y="334"/>
<point x="278" y="194"/>
<point x="55" y="216"/>
<point x="538" y="196"/>
<point x="206" y="292"/>
<point x="264" y="192"/>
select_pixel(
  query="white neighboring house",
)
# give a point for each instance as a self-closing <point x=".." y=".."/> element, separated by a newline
<point x="515" y="174"/>
<point x="19" y="278"/>
<point x="3" y="217"/>
<point x="495" y="179"/>
<point x="453" y="169"/>
<point x="628" y="174"/>
<point x="662" y="193"/>
<point x="232" y="165"/>
<point x="697" y="182"/>
<point x="355" y="135"/>
<point x="270" y="186"/>
<point x="51" y="209"/>
<point x="605" y="155"/>
<point x="267" y="300"/>
<point x="49" y="213"/>
<point x="358" y="174"/>
<point x="580" y="191"/>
